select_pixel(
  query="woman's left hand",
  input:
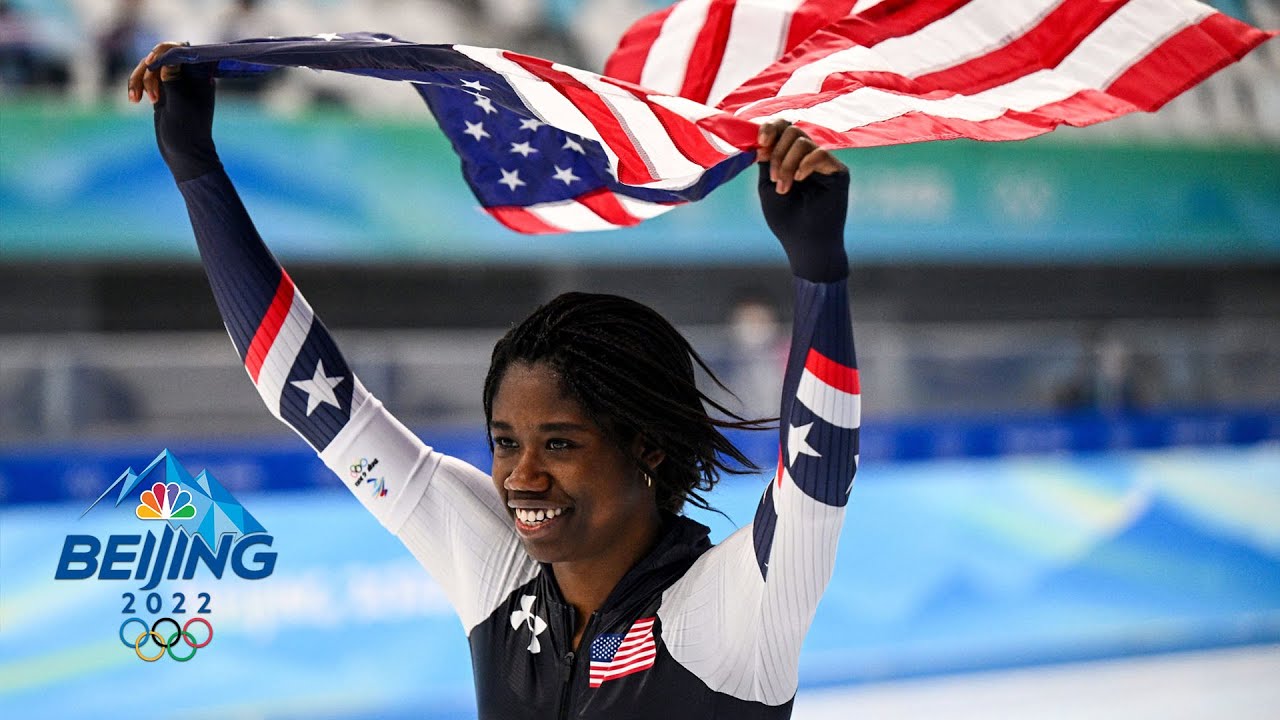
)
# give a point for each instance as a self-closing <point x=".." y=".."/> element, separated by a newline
<point x="792" y="155"/>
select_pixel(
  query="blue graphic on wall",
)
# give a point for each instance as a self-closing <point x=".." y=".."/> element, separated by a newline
<point x="943" y="566"/>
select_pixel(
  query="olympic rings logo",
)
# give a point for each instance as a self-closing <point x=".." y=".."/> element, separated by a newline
<point x="145" y="637"/>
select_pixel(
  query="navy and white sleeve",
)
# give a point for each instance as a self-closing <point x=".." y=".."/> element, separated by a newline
<point x="444" y="510"/>
<point x="738" y="617"/>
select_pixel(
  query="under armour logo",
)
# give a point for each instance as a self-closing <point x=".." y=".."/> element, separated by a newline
<point x="535" y="624"/>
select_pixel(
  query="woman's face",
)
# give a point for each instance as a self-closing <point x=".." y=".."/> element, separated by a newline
<point x="571" y="492"/>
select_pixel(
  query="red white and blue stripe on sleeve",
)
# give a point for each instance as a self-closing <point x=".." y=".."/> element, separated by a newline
<point x="287" y="351"/>
<point x="821" y="409"/>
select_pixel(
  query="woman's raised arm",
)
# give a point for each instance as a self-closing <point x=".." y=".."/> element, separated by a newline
<point x="763" y="583"/>
<point x="445" y="511"/>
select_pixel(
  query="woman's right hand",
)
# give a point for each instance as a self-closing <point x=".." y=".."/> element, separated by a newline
<point x="804" y="192"/>
<point x="143" y="79"/>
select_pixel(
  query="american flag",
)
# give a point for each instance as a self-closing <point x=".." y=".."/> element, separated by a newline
<point x="549" y="148"/>
<point x="545" y="148"/>
<point x="614" y="655"/>
<point x="858" y="73"/>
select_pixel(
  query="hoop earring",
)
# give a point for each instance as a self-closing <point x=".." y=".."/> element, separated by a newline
<point x="647" y="478"/>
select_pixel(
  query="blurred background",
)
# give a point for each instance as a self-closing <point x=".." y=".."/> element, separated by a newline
<point x="1069" y="501"/>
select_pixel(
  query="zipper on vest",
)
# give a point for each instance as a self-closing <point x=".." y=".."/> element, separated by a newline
<point x="566" y="689"/>
<point x="566" y="685"/>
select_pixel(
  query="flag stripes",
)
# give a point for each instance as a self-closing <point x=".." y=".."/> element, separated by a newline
<point x="607" y="127"/>
<point x="708" y="51"/>
<point x="1091" y="64"/>
<point x="668" y="58"/>
<point x="628" y="60"/>
<point x="906" y="71"/>
<point x="1212" y="44"/>
<point x="1035" y="103"/>
<point x="954" y="52"/>
<point x="693" y="142"/>
<point x="691" y="84"/>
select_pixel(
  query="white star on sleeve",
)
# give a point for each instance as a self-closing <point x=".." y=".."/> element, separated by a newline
<point x="574" y="145"/>
<point x="475" y="130"/>
<point x="565" y="175"/>
<point x="531" y="124"/>
<point x="798" y="442"/>
<point x="511" y="179"/>
<point x="485" y="104"/>
<point x="327" y="37"/>
<point x="319" y="388"/>
<point x="523" y="149"/>
<point x="474" y="85"/>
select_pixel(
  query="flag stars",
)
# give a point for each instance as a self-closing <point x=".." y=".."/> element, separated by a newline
<point x="574" y="145"/>
<point x="798" y="442"/>
<point x="565" y="175"/>
<point x="475" y="130"/>
<point x="485" y="104"/>
<point x="531" y="124"/>
<point x="523" y="149"/>
<point x="474" y="85"/>
<point x="511" y="179"/>
<point x="319" y="388"/>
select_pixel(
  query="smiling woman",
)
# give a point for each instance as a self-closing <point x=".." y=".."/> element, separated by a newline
<point x="598" y="429"/>
<point x="582" y="589"/>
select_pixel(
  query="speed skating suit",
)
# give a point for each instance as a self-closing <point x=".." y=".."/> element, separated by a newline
<point x="692" y="631"/>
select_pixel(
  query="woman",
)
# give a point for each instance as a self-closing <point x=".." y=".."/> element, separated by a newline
<point x="582" y="590"/>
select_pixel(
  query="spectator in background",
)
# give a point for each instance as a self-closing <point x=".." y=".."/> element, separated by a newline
<point x="127" y="37"/>
<point x="17" y="53"/>
<point x="757" y="353"/>
<point x="1108" y="378"/>
<point x="535" y="27"/>
<point x="248" y="19"/>
<point x="31" y="51"/>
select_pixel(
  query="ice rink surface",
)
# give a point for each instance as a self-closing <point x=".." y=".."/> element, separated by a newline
<point x="1234" y="683"/>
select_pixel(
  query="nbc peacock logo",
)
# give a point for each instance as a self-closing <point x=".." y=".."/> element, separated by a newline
<point x="191" y="523"/>
<point x="165" y="502"/>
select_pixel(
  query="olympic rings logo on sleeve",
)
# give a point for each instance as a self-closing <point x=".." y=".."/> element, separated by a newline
<point x="166" y="643"/>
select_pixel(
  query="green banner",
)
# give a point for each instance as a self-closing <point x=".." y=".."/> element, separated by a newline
<point x="90" y="185"/>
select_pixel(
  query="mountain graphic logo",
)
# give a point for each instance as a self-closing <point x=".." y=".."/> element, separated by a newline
<point x="163" y="502"/>
<point x="200" y="505"/>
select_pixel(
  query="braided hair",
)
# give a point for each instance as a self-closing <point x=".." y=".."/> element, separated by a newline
<point x="633" y="374"/>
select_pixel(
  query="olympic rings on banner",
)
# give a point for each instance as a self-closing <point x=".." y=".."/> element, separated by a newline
<point x="176" y="629"/>
<point x="208" y="626"/>
<point x="179" y="632"/>
<point x="147" y="634"/>
<point x="125" y="624"/>
<point x="173" y="643"/>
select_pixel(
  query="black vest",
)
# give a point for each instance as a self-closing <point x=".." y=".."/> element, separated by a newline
<point x="517" y="677"/>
